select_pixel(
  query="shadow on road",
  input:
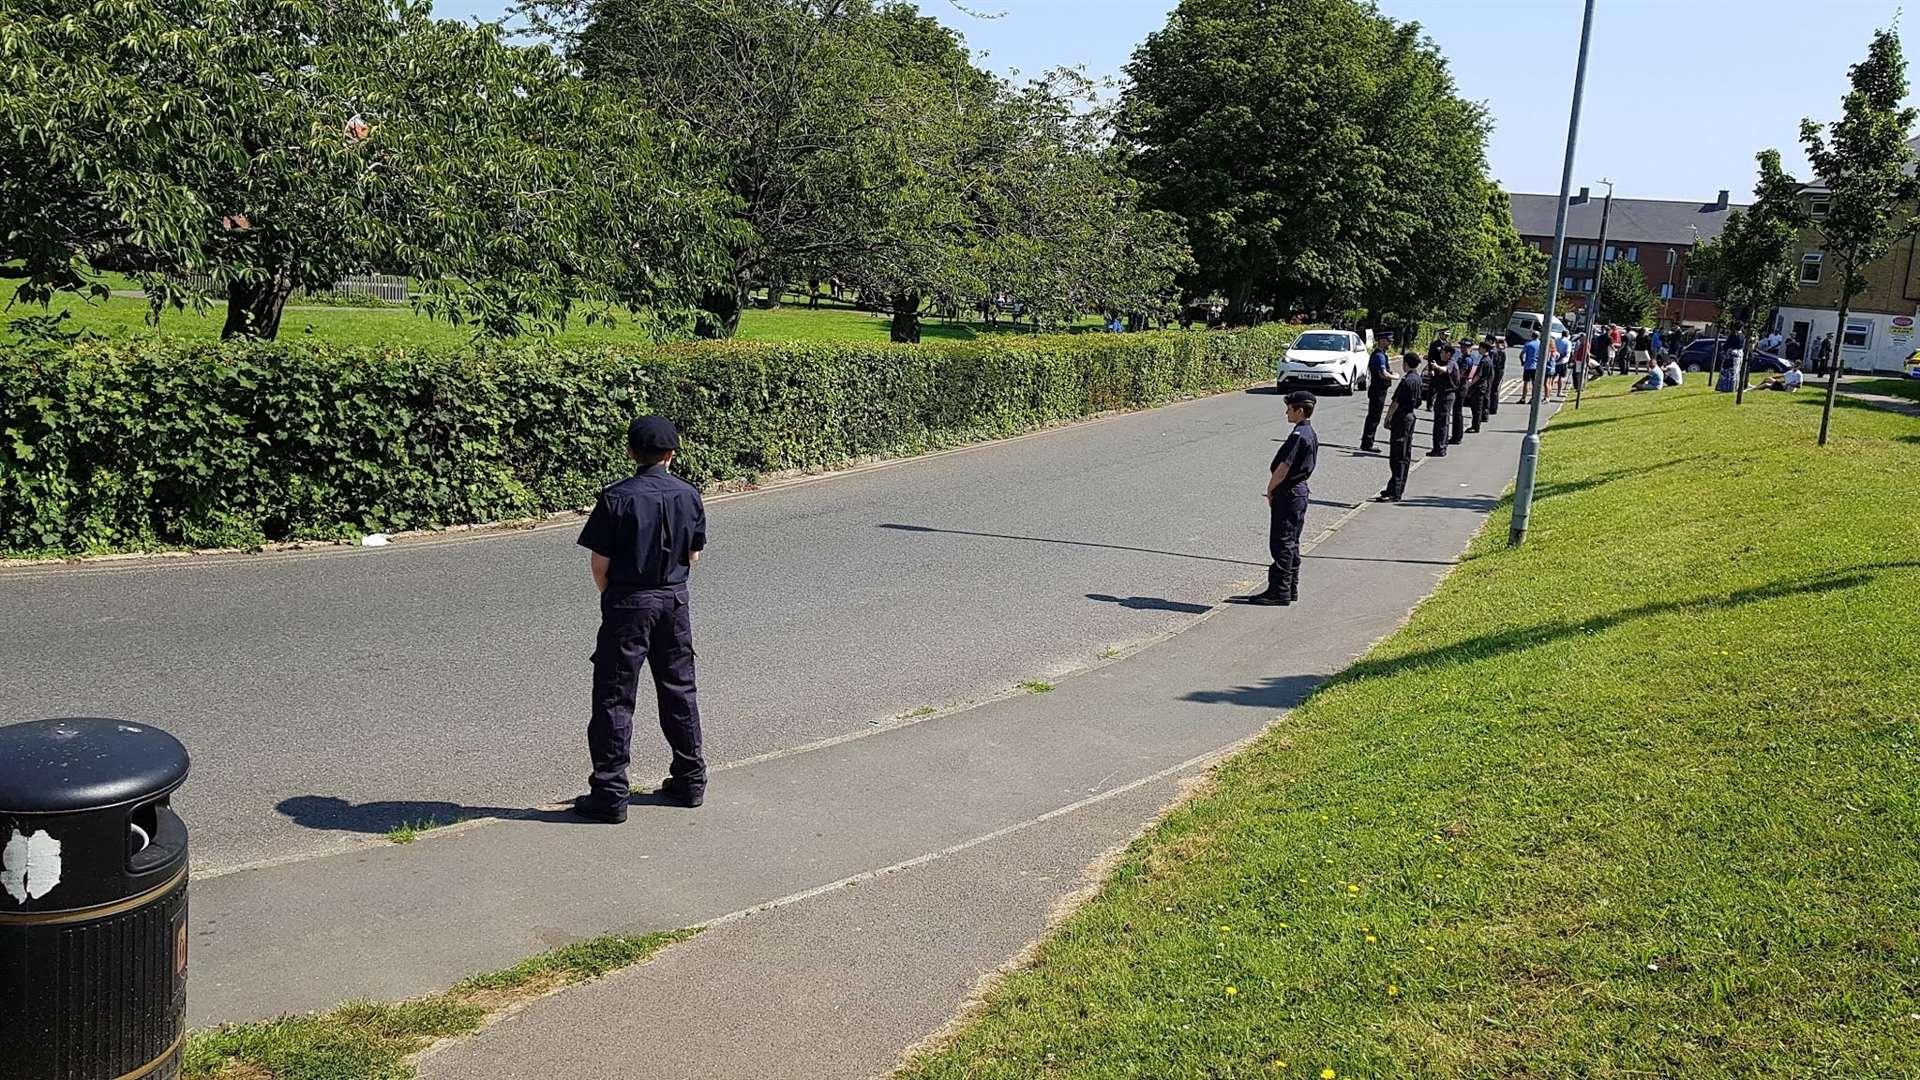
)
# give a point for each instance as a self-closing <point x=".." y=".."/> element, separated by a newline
<point x="1452" y="502"/>
<point x="1150" y="603"/>
<point x="1366" y="558"/>
<point x="1069" y="543"/>
<point x="1274" y="692"/>
<point x="331" y="813"/>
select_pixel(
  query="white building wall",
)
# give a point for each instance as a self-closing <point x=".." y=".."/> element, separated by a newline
<point x="1889" y="339"/>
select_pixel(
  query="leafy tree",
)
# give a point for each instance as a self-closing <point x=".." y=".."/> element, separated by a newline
<point x="257" y="147"/>
<point x="1754" y="261"/>
<point x="813" y="105"/>
<point x="1511" y="269"/>
<point x="1867" y="166"/>
<point x="1624" y="296"/>
<point x="1317" y="152"/>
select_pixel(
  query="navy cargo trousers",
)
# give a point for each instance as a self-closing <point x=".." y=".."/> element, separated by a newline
<point x="639" y="628"/>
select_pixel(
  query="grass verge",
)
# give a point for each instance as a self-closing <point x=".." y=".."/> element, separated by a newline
<point x="364" y="1040"/>
<point x="1900" y="388"/>
<point x="1637" y="799"/>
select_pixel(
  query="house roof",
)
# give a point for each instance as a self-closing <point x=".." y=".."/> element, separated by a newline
<point x="1646" y="221"/>
<point x="1819" y="186"/>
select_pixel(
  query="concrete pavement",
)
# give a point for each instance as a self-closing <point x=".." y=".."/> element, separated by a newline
<point x="330" y="694"/>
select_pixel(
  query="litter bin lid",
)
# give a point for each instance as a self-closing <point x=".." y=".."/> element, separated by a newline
<point x="59" y="766"/>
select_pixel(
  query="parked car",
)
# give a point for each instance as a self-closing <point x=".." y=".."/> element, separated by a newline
<point x="1521" y="327"/>
<point x="1328" y="359"/>
<point x="1698" y="355"/>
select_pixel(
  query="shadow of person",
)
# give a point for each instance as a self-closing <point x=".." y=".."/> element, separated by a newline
<point x="1151" y="603"/>
<point x="1273" y="692"/>
<point x="332" y="813"/>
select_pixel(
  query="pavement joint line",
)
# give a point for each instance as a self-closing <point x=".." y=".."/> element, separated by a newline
<point x="304" y="550"/>
<point x="1207" y="759"/>
<point x="351" y="844"/>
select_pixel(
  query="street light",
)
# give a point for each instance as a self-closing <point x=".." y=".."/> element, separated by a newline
<point x="1530" y="444"/>
<point x="1593" y="298"/>
<point x="1685" y="261"/>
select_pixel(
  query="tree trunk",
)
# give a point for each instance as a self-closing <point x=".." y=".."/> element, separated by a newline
<point x="906" y="318"/>
<point x="254" y="309"/>
<point x="720" y="312"/>
<point x="1236" y="314"/>
<point x="1839" y="351"/>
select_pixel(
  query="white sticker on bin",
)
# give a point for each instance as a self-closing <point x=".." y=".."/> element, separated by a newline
<point x="30" y="865"/>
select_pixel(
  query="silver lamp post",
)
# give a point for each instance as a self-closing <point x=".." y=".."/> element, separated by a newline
<point x="1530" y="444"/>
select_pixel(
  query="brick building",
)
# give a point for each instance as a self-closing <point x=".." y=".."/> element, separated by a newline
<point x="1655" y="233"/>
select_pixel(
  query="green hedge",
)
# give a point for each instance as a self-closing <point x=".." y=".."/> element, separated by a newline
<point x="113" y="447"/>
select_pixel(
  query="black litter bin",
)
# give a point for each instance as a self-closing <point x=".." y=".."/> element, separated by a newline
<point x="93" y="902"/>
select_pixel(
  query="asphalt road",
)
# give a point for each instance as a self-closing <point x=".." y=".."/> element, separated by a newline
<point x="327" y="694"/>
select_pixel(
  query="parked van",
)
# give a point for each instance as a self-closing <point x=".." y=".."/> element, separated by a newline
<point x="1521" y="327"/>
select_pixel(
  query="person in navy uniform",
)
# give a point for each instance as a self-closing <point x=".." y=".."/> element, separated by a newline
<point x="645" y="534"/>
<point x="1468" y="368"/>
<point x="1379" y="382"/>
<point x="1286" y="493"/>
<point x="1443" y="381"/>
<point x="1497" y="353"/>
<point x="1406" y="400"/>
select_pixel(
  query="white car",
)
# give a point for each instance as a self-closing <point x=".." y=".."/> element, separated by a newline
<point x="1328" y="359"/>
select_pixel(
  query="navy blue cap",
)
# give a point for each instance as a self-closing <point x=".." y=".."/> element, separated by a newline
<point x="1301" y="397"/>
<point x="652" y="434"/>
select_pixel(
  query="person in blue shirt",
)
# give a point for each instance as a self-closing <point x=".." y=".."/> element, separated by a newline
<point x="1379" y="383"/>
<point x="1529" y="366"/>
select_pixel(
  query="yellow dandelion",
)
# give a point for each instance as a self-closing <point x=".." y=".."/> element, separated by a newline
<point x="1371" y="939"/>
<point x="1231" y="991"/>
<point x="1353" y="888"/>
<point x="1279" y="1064"/>
<point x="1226" y="929"/>
<point x="1328" y="1074"/>
<point x="1393" y="991"/>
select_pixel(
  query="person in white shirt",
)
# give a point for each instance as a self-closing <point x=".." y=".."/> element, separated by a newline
<point x="1790" y="380"/>
<point x="1670" y="372"/>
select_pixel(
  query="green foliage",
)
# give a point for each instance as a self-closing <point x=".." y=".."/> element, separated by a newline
<point x="117" y="446"/>
<point x="863" y="143"/>
<point x="1511" y="269"/>
<point x="255" y="147"/>
<point x="1624" y="297"/>
<point x="1754" y="262"/>
<point x="1865" y="162"/>
<point x="1318" y="153"/>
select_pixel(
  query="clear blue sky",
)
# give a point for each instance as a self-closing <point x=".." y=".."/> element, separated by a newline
<point x="1680" y="93"/>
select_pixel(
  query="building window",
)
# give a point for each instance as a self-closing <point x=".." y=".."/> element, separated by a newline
<point x="1810" y="268"/>
<point x="1666" y="291"/>
<point x="1633" y="254"/>
<point x="1859" y="335"/>
<point x="1818" y="206"/>
<point x="1586" y="285"/>
<point x="1566" y="284"/>
<point x="1612" y="253"/>
<point x="1583" y="256"/>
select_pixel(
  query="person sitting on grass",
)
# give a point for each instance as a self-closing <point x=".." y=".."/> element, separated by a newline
<point x="1670" y="372"/>
<point x="1653" y="380"/>
<point x="1789" y="380"/>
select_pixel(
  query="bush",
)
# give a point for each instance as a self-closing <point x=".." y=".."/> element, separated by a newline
<point x="117" y="446"/>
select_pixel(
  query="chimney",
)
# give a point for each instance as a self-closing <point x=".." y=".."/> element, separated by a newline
<point x="1720" y="203"/>
<point x="1582" y="198"/>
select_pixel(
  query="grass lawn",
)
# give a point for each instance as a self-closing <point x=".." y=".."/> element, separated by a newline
<point x="1639" y="799"/>
<point x="125" y="316"/>
<point x="365" y="1040"/>
<point x="1905" y="388"/>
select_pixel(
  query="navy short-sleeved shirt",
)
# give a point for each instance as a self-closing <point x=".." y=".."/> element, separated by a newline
<point x="1300" y="453"/>
<point x="648" y="526"/>
<point x="1406" y="398"/>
